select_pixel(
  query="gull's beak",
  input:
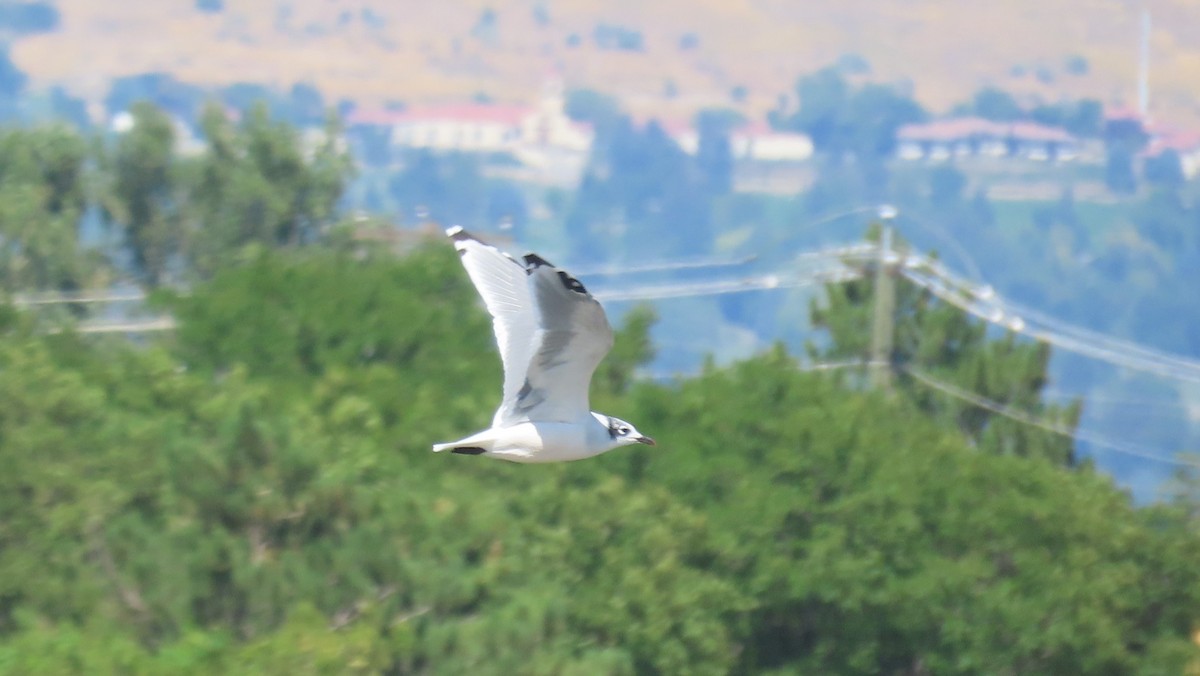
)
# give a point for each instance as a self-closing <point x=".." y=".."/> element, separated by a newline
<point x="646" y="440"/>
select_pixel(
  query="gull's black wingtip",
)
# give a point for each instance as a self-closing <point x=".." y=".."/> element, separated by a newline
<point x="533" y="260"/>
<point x="457" y="233"/>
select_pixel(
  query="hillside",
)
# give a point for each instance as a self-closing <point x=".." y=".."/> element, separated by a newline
<point x="670" y="56"/>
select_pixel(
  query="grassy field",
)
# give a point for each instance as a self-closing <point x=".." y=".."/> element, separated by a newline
<point x="693" y="52"/>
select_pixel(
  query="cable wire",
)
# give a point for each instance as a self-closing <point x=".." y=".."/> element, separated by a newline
<point x="1024" y="417"/>
<point x="1111" y="350"/>
<point x="763" y="283"/>
<point x="987" y="295"/>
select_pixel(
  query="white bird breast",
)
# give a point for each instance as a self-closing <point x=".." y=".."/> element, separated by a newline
<point x="544" y="442"/>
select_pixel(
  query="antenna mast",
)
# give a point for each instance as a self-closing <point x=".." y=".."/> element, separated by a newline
<point x="1144" y="67"/>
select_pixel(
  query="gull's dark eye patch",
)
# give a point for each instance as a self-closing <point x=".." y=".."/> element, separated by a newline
<point x="617" y="428"/>
<point x="571" y="283"/>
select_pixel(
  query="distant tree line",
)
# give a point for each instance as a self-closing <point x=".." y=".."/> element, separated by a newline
<point x="174" y="217"/>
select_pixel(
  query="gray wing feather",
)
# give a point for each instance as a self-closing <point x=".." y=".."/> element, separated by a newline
<point x="551" y="332"/>
<point x="573" y="336"/>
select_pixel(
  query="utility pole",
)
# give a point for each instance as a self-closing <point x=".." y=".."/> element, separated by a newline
<point x="884" y="325"/>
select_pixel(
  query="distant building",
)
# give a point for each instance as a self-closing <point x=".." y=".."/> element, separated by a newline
<point x="1159" y="138"/>
<point x="549" y="126"/>
<point x="751" y="142"/>
<point x="469" y="128"/>
<point x="551" y="147"/>
<point x="482" y="128"/>
<point x="759" y="142"/>
<point x="1124" y="114"/>
<point x="964" y="137"/>
<point x="1186" y="145"/>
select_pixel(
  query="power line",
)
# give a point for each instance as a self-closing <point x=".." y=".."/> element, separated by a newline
<point x="128" y="326"/>
<point x="1105" y="348"/>
<point x="834" y="270"/>
<point x="23" y="300"/>
<point x="1018" y="316"/>
<point x="938" y="231"/>
<point x="833" y="255"/>
<point x="834" y="365"/>
<point x="666" y="266"/>
<point x="1054" y="427"/>
<point x="762" y="283"/>
<point x="976" y="299"/>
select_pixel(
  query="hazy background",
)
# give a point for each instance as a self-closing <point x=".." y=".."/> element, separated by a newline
<point x="373" y="52"/>
<point x="1100" y="239"/>
<point x="235" y="329"/>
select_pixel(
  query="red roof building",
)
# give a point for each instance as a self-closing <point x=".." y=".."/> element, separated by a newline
<point x="976" y="137"/>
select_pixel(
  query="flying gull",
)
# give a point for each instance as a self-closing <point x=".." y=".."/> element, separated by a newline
<point x="552" y="334"/>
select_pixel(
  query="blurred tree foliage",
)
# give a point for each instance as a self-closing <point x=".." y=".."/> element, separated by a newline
<point x="848" y="122"/>
<point x="256" y="184"/>
<point x="450" y="186"/>
<point x="714" y="153"/>
<point x="1083" y="118"/>
<point x="992" y="103"/>
<point x="259" y="185"/>
<point x="42" y="198"/>
<point x="255" y="493"/>
<point x="942" y="341"/>
<point x="169" y="217"/>
<point x="146" y="192"/>
<point x="642" y="192"/>
<point x="593" y="107"/>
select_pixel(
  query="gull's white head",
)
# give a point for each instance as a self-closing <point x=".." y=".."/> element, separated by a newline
<point x="621" y="433"/>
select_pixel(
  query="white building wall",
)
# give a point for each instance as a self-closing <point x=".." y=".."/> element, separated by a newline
<point x="774" y="147"/>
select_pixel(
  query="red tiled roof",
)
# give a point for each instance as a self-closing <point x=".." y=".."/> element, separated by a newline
<point x="1032" y="131"/>
<point x="962" y="128"/>
<point x="952" y="129"/>
<point x="1182" y="142"/>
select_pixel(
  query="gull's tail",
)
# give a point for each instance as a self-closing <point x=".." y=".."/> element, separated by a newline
<point x="472" y="445"/>
<point x="459" y="449"/>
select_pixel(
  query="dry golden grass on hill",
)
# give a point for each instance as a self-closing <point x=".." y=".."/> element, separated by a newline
<point x="375" y="50"/>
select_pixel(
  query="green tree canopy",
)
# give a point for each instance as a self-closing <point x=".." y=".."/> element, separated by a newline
<point x="146" y="195"/>
<point x="939" y="339"/>
<point x="845" y="120"/>
<point x="42" y="198"/>
<point x="257" y="495"/>
<point x="258" y="184"/>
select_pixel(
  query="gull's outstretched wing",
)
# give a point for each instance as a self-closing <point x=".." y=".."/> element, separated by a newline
<point x="504" y="286"/>
<point x="552" y="333"/>
<point x="573" y="336"/>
